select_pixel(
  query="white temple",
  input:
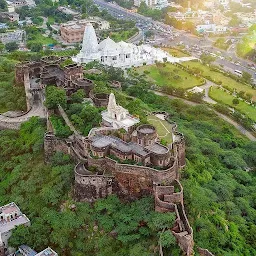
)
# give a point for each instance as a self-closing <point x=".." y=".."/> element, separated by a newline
<point x="122" y="54"/>
<point x="116" y="116"/>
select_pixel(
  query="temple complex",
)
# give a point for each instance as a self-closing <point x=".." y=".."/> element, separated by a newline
<point x="122" y="54"/>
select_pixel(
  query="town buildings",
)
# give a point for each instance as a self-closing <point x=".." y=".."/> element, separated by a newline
<point x="122" y="54"/>
<point x="10" y="217"/>
<point x="11" y="16"/>
<point x="17" y="36"/>
<point x="158" y="4"/>
<point x="13" y="4"/>
<point x="211" y="28"/>
<point x="73" y="31"/>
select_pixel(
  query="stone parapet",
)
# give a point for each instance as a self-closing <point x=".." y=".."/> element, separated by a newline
<point x="166" y="200"/>
<point x="89" y="187"/>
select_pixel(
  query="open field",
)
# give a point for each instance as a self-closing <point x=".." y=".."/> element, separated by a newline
<point x="221" y="96"/>
<point x="163" y="128"/>
<point x="175" y="52"/>
<point x="226" y="81"/>
<point x="39" y="38"/>
<point x="170" y="75"/>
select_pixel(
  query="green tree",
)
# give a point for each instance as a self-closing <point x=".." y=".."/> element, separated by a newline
<point x="1" y="47"/>
<point x="78" y="96"/>
<point x="35" y="46"/>
<point x="235" y="101"/>
<point x="55" y="96"/>
<point x="246" y="77"/>
<point x="12" y="46"/>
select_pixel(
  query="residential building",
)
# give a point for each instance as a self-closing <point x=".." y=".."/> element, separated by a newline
<point x="12" y="36"/>
<point x="10" y="217"/>
<point x="25" y="250"/>
<point x="16" y="3"/>
<point x="11" y="16"/>
<point x="47" y="252"/>
<point x="73" y="31"/>
<point x="211" y="28"/>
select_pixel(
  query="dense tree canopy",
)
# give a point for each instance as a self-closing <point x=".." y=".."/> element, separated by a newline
<point x="55" y="96"/>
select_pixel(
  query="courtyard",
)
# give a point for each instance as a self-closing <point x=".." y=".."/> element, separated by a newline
<point x="163" y="128"/>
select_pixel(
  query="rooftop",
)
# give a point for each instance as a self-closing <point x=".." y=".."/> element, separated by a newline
<point x="102" y="141"/>
<point x="157" y="148"/>
<point x="12" y="217"/>
<point x="26" y="250"/>
<point x="47" y="252"/>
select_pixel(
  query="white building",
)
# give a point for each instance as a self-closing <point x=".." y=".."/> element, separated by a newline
<point x="27" y="251"/>
<point x="159" y="4"/>
<point x="122" y="54"/>
<point x="116" y="116"/>
<point x="10" y="217"/>
<point x="47" y="252"/>
<point x="211" y="28"/>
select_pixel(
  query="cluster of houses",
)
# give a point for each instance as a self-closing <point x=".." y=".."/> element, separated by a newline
<point x="214" y="21"/>
<point x="10" y="218"/>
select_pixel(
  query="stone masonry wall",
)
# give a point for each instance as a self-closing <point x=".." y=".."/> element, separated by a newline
<point x="133" y="180"/>
<point x="90" y="188"/>
<point x="53" y="144"/>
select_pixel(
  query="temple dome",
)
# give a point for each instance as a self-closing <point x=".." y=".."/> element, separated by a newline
<point x="125" y="47"/>
<point x="109" y="47"/>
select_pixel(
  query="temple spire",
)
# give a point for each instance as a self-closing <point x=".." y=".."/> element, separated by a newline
<point x="90" y="42"/>
<point x="111" y="102"/>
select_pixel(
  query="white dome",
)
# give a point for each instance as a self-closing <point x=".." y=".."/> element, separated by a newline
<point x="109" y="47"/>
<point x="126" y="47"/>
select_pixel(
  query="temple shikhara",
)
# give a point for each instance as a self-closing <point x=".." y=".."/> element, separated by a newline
<point x="116" y="116"/>
<point x="122" y="54"/>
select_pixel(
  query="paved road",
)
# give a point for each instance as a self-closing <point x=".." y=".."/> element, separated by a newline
<point x="136" y="38"/>
<point x="206" y="88"/>
<point x="37" y="110"/>
<point x="119" y="12"/>
<point x="238" y="126"/>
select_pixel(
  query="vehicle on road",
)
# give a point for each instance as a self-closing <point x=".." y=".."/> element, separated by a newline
<point x="238" y="73"/>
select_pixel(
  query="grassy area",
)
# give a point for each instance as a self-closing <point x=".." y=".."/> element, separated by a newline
<point x="175" y="52"/>
<point x="51" y="20"/>
<point x="226" y="81"/>
<point x="221" y="43"/>
<point x="170" y="75"/>
<point x="45" y="40"/>
<point x="221" y="96"/>
<point x="164" y="129"/>
<point x="122" y="35"/>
